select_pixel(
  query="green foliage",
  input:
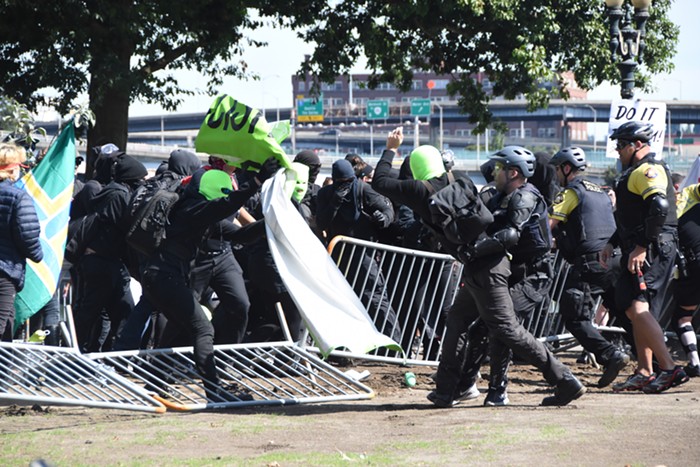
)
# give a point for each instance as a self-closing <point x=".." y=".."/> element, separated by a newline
<point x="518" y="44"/>
<point x="18" y="121"/>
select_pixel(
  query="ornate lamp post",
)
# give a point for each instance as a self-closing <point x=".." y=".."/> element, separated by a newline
<point x="627" y="41"/>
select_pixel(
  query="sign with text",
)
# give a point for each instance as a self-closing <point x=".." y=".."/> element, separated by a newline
<point x="420" y="107"/>
<point x="310" y="110"/>
<point x="377" y="110"/>
<point x="624" y="110"/>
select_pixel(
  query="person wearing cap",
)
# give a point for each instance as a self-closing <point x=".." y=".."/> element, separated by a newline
<point x="582" y="222"/>
<point x="102" y="270"/>
<point x="646" y="232"/>
<point x="19" y="236"/>
<point x="208" y="199"/>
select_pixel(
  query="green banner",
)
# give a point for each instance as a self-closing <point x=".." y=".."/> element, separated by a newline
<point x="50" y="184"/>
<point x="239" y="134"/>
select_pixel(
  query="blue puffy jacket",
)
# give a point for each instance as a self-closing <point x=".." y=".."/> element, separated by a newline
<point x="19" y="233"/>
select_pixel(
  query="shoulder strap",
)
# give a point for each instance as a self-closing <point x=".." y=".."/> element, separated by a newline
<point x="431" y="188"/>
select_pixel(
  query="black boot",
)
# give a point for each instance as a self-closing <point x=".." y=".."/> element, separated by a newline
<point x="569" y="388"/>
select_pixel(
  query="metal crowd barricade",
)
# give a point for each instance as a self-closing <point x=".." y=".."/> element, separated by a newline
<point x="276" y="373"/>
<point x="406" y="292"/>
<point x="38" y="374"/>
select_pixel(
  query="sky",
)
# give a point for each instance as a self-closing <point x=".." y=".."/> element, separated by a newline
<point x="277" y="62"/>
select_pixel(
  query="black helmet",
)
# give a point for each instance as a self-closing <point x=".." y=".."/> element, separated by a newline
<point x="634" y="131"/>
<point x="571" y="155"/>
<point x="516" y="156"/>
<point x="448" y="158"/>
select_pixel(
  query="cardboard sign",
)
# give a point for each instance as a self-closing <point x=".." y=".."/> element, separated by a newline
<point x="624" y="110"/>
<point x="239" y="134"/>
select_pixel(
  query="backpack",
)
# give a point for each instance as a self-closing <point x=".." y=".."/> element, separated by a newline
<point x="149" y="208"/>
<point x="457" y="212"/>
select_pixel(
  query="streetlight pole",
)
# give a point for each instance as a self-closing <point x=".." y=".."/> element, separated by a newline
<point x="595" y="127"/>
<point x="626" y="41"/>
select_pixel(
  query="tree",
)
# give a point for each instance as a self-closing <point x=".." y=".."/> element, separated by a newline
<point x="117" y="51"/>
<point x="517" y="44"/>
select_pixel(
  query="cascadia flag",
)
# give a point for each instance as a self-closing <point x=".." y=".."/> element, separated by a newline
<point x="50" y="185"/>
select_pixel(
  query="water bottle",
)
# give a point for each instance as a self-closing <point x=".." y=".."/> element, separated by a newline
<point x="409" y="379"/>
<point x="39" y="336"/>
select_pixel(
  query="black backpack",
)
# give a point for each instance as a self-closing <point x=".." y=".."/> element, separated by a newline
<point x="457" y="212"/>
<point x="149" y="208"/>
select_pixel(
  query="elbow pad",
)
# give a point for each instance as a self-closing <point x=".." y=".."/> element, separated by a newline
<point x="656" y="216"/>
<point x="497" y="243"/>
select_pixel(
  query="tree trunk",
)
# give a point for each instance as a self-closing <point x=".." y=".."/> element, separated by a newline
<point x="109" y="91"/>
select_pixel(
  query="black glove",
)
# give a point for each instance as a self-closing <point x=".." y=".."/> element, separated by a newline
<point x="380" y="218"/>
<point x="268" y="169"/>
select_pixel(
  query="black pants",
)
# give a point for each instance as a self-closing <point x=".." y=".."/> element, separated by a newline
<point x="104" y="285"/>
<point x="486" y="295"/>
<point x="587" y="280"/>
<point x="224" y="275"/>
<point x="169" y="292"/>
<point x="7" y="308"/>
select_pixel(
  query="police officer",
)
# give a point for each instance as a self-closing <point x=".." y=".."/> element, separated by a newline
<point x="512" y="263"/>
<point x="687" y="292"/>
<point x="582" y="222"/>
<point x="486" y="291"/>
<point x="646" y="232"/>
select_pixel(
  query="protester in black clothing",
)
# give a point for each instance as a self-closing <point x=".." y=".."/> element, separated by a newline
<point x="104" y="276"/>
<point x="486" y="291"/>
<point x="350" y="207"/>
<point x="180" y="164"/>
<point x="208" y="199"/>
<point x="582" y="222"/>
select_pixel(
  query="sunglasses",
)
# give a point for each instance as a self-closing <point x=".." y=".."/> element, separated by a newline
<point x="621" y="144"/>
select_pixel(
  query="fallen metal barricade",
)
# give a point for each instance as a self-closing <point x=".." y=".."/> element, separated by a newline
<point x="38" y="374"/>
<point x="406" y="292"/>
<point x="278" y="373"/>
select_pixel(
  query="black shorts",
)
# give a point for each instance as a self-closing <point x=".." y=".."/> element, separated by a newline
<point x="687" y="290"/>
<point x="657" y="277"/>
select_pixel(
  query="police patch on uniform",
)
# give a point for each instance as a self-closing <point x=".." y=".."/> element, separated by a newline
<point x="651" y="173"/>
<point x="559" y="198"/>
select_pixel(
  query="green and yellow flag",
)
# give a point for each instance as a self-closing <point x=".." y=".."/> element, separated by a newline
<point x="50" y="185"/>
<point x="240" y="135"/>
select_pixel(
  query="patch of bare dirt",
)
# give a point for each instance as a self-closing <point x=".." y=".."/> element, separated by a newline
<point x="398" y="427"/>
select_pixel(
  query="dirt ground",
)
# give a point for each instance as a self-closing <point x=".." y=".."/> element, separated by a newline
<point x="398" y="427"/>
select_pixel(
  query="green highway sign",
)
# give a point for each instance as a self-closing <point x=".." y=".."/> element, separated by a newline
<point x="377" y="110"/>
<point x="683" y="141"/>
<point x="310" y="110"/>
<point x="420" y="107"/>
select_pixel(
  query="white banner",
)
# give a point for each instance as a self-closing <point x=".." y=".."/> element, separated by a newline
<point x="624" y="110"/>
<point x="332" y="312"/>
